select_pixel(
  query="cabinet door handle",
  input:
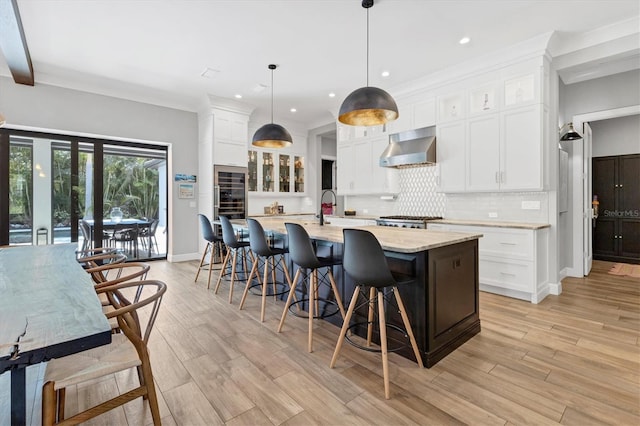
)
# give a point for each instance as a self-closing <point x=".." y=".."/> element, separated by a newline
<point x="497" y="178"/>
<point x="508" y="244"/>
<point x="501" y="177"/>
<point x="507" y="273"/>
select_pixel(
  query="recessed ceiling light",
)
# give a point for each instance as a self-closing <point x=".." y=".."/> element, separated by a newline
<point x="293" y="110"/>
<point x="238" y="96"/>
<point x="464" y="40"/>
<point x="209" y="73"/>
<point x="332" y="95"/>
<point x="385" y="73"/>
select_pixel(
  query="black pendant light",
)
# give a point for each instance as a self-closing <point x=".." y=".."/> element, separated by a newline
<point x="272" y="135"/>
<point x="368" y="106"/>
<point x="568" y="133"/>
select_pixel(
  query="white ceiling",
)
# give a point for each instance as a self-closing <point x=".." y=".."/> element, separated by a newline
<point x="155" y="51"/>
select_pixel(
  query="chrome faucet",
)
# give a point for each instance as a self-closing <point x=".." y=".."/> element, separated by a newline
<point x="335" y="203"/>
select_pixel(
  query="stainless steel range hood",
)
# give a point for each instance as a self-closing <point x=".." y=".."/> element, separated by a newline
<point x="410" y="148"/>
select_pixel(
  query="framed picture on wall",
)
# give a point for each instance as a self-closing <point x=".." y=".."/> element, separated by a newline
<point x="186" y="190"/>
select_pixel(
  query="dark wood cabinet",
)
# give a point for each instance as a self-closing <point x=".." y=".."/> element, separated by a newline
<point x="616" y="182"/>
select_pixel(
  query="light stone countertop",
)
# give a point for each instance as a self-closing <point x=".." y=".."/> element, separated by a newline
<point x="401" y="240"/>
<point x="495" y="224"/>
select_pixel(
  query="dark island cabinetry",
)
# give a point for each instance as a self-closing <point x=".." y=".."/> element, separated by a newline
<point x="441" y="299"/>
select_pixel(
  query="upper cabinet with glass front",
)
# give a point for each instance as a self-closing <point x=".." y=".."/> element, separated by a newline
<point x="298" y="174"/>
<point x="275" y="172"/>
<point x="284" y="172"/>
<point x="267" y="172"/>
<point x="252" y="171"/>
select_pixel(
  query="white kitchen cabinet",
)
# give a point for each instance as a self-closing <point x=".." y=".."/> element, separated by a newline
<point x="359" y="172"/>
<point x="414" y="115"/>
<point x="521" y="149"/>
<point x="450" y="156"/>
<point x="230" y="132"/>
<point x="344" y="170"/>
<point x="483" y="153"/>
<point x="504" y="151"/>
<point x="451" y="107"/>
<point x="512" y="261"/>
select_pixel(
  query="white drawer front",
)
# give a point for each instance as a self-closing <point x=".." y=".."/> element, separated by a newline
<point x="512" y="244"/>
<point x="515" y="275"/>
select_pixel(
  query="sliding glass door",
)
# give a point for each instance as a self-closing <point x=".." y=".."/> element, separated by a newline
<point x="62" y="189"/>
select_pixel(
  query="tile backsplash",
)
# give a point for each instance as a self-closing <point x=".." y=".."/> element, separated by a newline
<point x="418" y="197"/>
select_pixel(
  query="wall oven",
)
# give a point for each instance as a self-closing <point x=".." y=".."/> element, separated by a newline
<point x="230" y="192"/>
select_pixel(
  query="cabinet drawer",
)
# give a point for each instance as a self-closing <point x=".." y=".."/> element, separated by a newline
<point x="514" y="275"/>
<point x="512" y="244"/>
<point x="504" y="242"/>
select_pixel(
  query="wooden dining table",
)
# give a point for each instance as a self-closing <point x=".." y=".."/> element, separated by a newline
<point x="48" y="309"/>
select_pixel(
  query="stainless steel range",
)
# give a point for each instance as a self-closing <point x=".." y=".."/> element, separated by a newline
<point x="418" y="222"/>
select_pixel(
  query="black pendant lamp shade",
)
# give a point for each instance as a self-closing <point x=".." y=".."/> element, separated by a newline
<point x="368" y="106"/>
<point x="568" y="133"/>
<point x="272" y="135"/>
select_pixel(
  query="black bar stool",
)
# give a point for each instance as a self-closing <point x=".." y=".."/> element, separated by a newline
<point x="302" y="254"/>
<point x="214" y="245"/>
<point x="365" y="263"/>
<point x="264" y="253"/>
<point x="233" y="247"/>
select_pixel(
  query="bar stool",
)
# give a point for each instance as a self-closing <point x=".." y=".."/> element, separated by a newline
<point x="264" y="253"/>
<point x="214" y="245"/>
<point x="233" y="247"/>
<point x="365" y="263"/>
<point x="302" y="254"/>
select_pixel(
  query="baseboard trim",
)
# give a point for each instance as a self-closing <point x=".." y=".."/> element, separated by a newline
<point x="173" y="258"/>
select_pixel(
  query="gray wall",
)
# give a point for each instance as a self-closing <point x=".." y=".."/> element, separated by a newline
<point x="616" y="136"/>
<point x="600" y="94"/>
<point x="53" y="108"/>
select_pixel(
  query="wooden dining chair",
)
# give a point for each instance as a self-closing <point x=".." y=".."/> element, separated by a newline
<point x="112" y="274"/>
<point x="126" y="350"/>
<point x="99" y="256"/>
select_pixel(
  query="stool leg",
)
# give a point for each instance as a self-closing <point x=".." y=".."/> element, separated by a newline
<point x="273" y="277"/>
<point x="224" y="266"/>
<point x="336" y="293"/>
<point x="345" y="326"/>
<point x="212" y="251"/>
<point x="264" y="289"/>
<point x="383" y="343"/>
<point x="407" y="326"/>
<point x="254" y="270"/>
<point x="202" y="261"/>
<point x="286" y="305"/>
<point x="372" y="301"/>
<point x="313" y="288"/>
<point x="233" y="273"/>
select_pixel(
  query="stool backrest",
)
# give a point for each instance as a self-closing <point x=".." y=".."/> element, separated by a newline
<point x="300" y="247"/>
<point x="257" y="239"/>
<point x="207" y="229"/>
<point x="364" y="259"/>
<point x="228" y="234"/>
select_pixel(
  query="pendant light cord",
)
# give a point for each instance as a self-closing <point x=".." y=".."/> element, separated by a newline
<point x="272" y="96"/>
<point x="367" y="47"/>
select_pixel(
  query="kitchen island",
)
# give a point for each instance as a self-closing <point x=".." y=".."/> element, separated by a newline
<point x="442" y="296"/>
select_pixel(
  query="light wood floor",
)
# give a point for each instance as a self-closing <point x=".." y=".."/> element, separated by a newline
<point x="572" y="359"/>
